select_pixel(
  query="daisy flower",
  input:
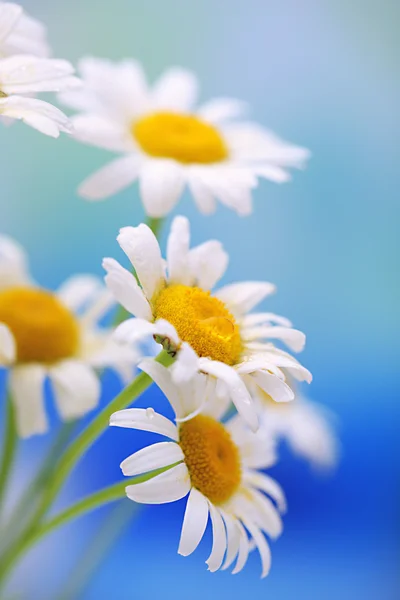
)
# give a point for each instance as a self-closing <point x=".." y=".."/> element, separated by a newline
<point x="216" y="463"/>
<point x="167" y="142"/>
<point x="307" y="427"/>
<point x="22" y="76"/>
<point x="211" y="333"/>
<point x="20" y="33"/>
<point x="56" y="335"/>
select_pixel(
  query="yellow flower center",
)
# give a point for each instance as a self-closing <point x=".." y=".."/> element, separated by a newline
<point x="202" y="321"/>
<point x="44" y="329"/>
<point x="211" y="457"/>
<point x="184" y="138"/>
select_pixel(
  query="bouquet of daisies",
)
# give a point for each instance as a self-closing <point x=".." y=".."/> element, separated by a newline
<point x="226" y="368"/>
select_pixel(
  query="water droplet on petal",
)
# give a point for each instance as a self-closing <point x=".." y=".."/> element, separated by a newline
<point x="150" y="413"/>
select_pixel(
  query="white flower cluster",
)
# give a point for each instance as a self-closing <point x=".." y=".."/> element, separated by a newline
<point x="233" y="389"/>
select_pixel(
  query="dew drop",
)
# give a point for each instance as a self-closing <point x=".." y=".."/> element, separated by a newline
<point x="150" y="413"/>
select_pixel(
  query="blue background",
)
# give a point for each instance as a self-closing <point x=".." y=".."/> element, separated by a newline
<point x="322" y="74"/>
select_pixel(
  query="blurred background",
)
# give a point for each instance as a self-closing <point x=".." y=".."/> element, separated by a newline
<point x="320" y="74"/>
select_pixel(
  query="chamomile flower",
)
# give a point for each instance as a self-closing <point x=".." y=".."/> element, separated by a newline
<point x="211" y="333"/>
<point x="56" y="335"/>
<point x="167" y="142"/>
<point x="22" y="76"/>
<point x="216" y="463"/>
<point x="307" y="427"/>
<point x="20" y="33"/>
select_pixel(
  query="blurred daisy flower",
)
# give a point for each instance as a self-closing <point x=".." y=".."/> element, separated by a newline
<point x="22" y="76"/>
<point x="216" y="463"/>
<point x="56" y="335"/>
<point x="213" y="334"/>
<point x="308" y="428"/>
<point x="20" y="33"/>
<point x="167" y="142"/>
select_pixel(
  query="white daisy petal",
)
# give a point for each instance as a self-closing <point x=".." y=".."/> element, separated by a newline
<point x="266" y="515"/>
<point x="142" y="248"/>
<point x="26" y="388"/>
<point x="222" y="109"/>
<point x="133" y="330"/>
<point x="118" y="90"/>
<point x="100" y="131"/>
<point x="273" y="386"/>
<point x="185" y="365"/>
<point x="208" y="263"/>
<point x="152" y="457"/>
<point x="178" y="252"/>
<point x="175" y="90"/>
<point x="40" y="115"/>
<point x="272" y="173"/>
<point x="237" y="389"/>
<point x="284" y="360"/>
<point x="25" y="74"/>
<point x="244" y="549"/>
<point x="13" y="263"/>
<point x="202" y="195"/>
<point x="263" y="318"/>
<point x="194" y="523"/>
<point x="293" y="338"/>
<point x="99" y="307"/>
<point x="76" y="388"/>
<point x="163" y="378"/>
<point x="27" y="37"/>
<point x="216" y="557"/>
<point x="262" y="545"/>
<point x="233" y="540"/>
<point x="161" y="185"/>
<point x="7" y="345"/>
<point x="269" y="486"/>
<point x="256" y="363"/>
<point x="126" y="290"/>
<point x="111" y="179"/>
<point x="242" y="297"/>
<point x="78" y="290"/>
<point x="169" y="486"/>
<point x="145" y="419"/>
<point x="9" y="15"/>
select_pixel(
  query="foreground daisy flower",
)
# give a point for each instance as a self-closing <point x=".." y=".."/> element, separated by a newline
<point x="20" y="33"/>
<point x="168" y="143"/>
<point x="307" y="427"/>
<point x="24" y="75"/>
<point x="43" y="333"/>
<point x="213" y="334"/>
<point x="216" y="464"/>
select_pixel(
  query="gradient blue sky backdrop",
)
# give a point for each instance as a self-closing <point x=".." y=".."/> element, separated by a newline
<point x="321" y="74"/>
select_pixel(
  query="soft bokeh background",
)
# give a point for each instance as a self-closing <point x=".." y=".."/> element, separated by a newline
<point x="322" y="74"/>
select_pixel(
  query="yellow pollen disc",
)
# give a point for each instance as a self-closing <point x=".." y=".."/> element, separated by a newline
<point x="202" y="321"/>
<point x="211" y="457"/>
<point x="184" y="138"/>
<point x="44" y="329"/>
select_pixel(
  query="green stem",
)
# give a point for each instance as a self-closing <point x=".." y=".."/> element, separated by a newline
<point x="75" y="451"/>
<point x="100" y="423"/>
<point x="92" y="557"/>
<point x="9" y="448"/>
<point x="21" y="513"/>
<point x="82" y="507"/>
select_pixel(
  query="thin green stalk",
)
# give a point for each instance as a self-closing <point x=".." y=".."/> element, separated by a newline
<point x="9" y="449"/>
<point x="26" y="504"/>
<point x="99" y="424"/>
<point x="76" y="450"/>
<point x="82" y="507"/>
<point x="94" y="554"/>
